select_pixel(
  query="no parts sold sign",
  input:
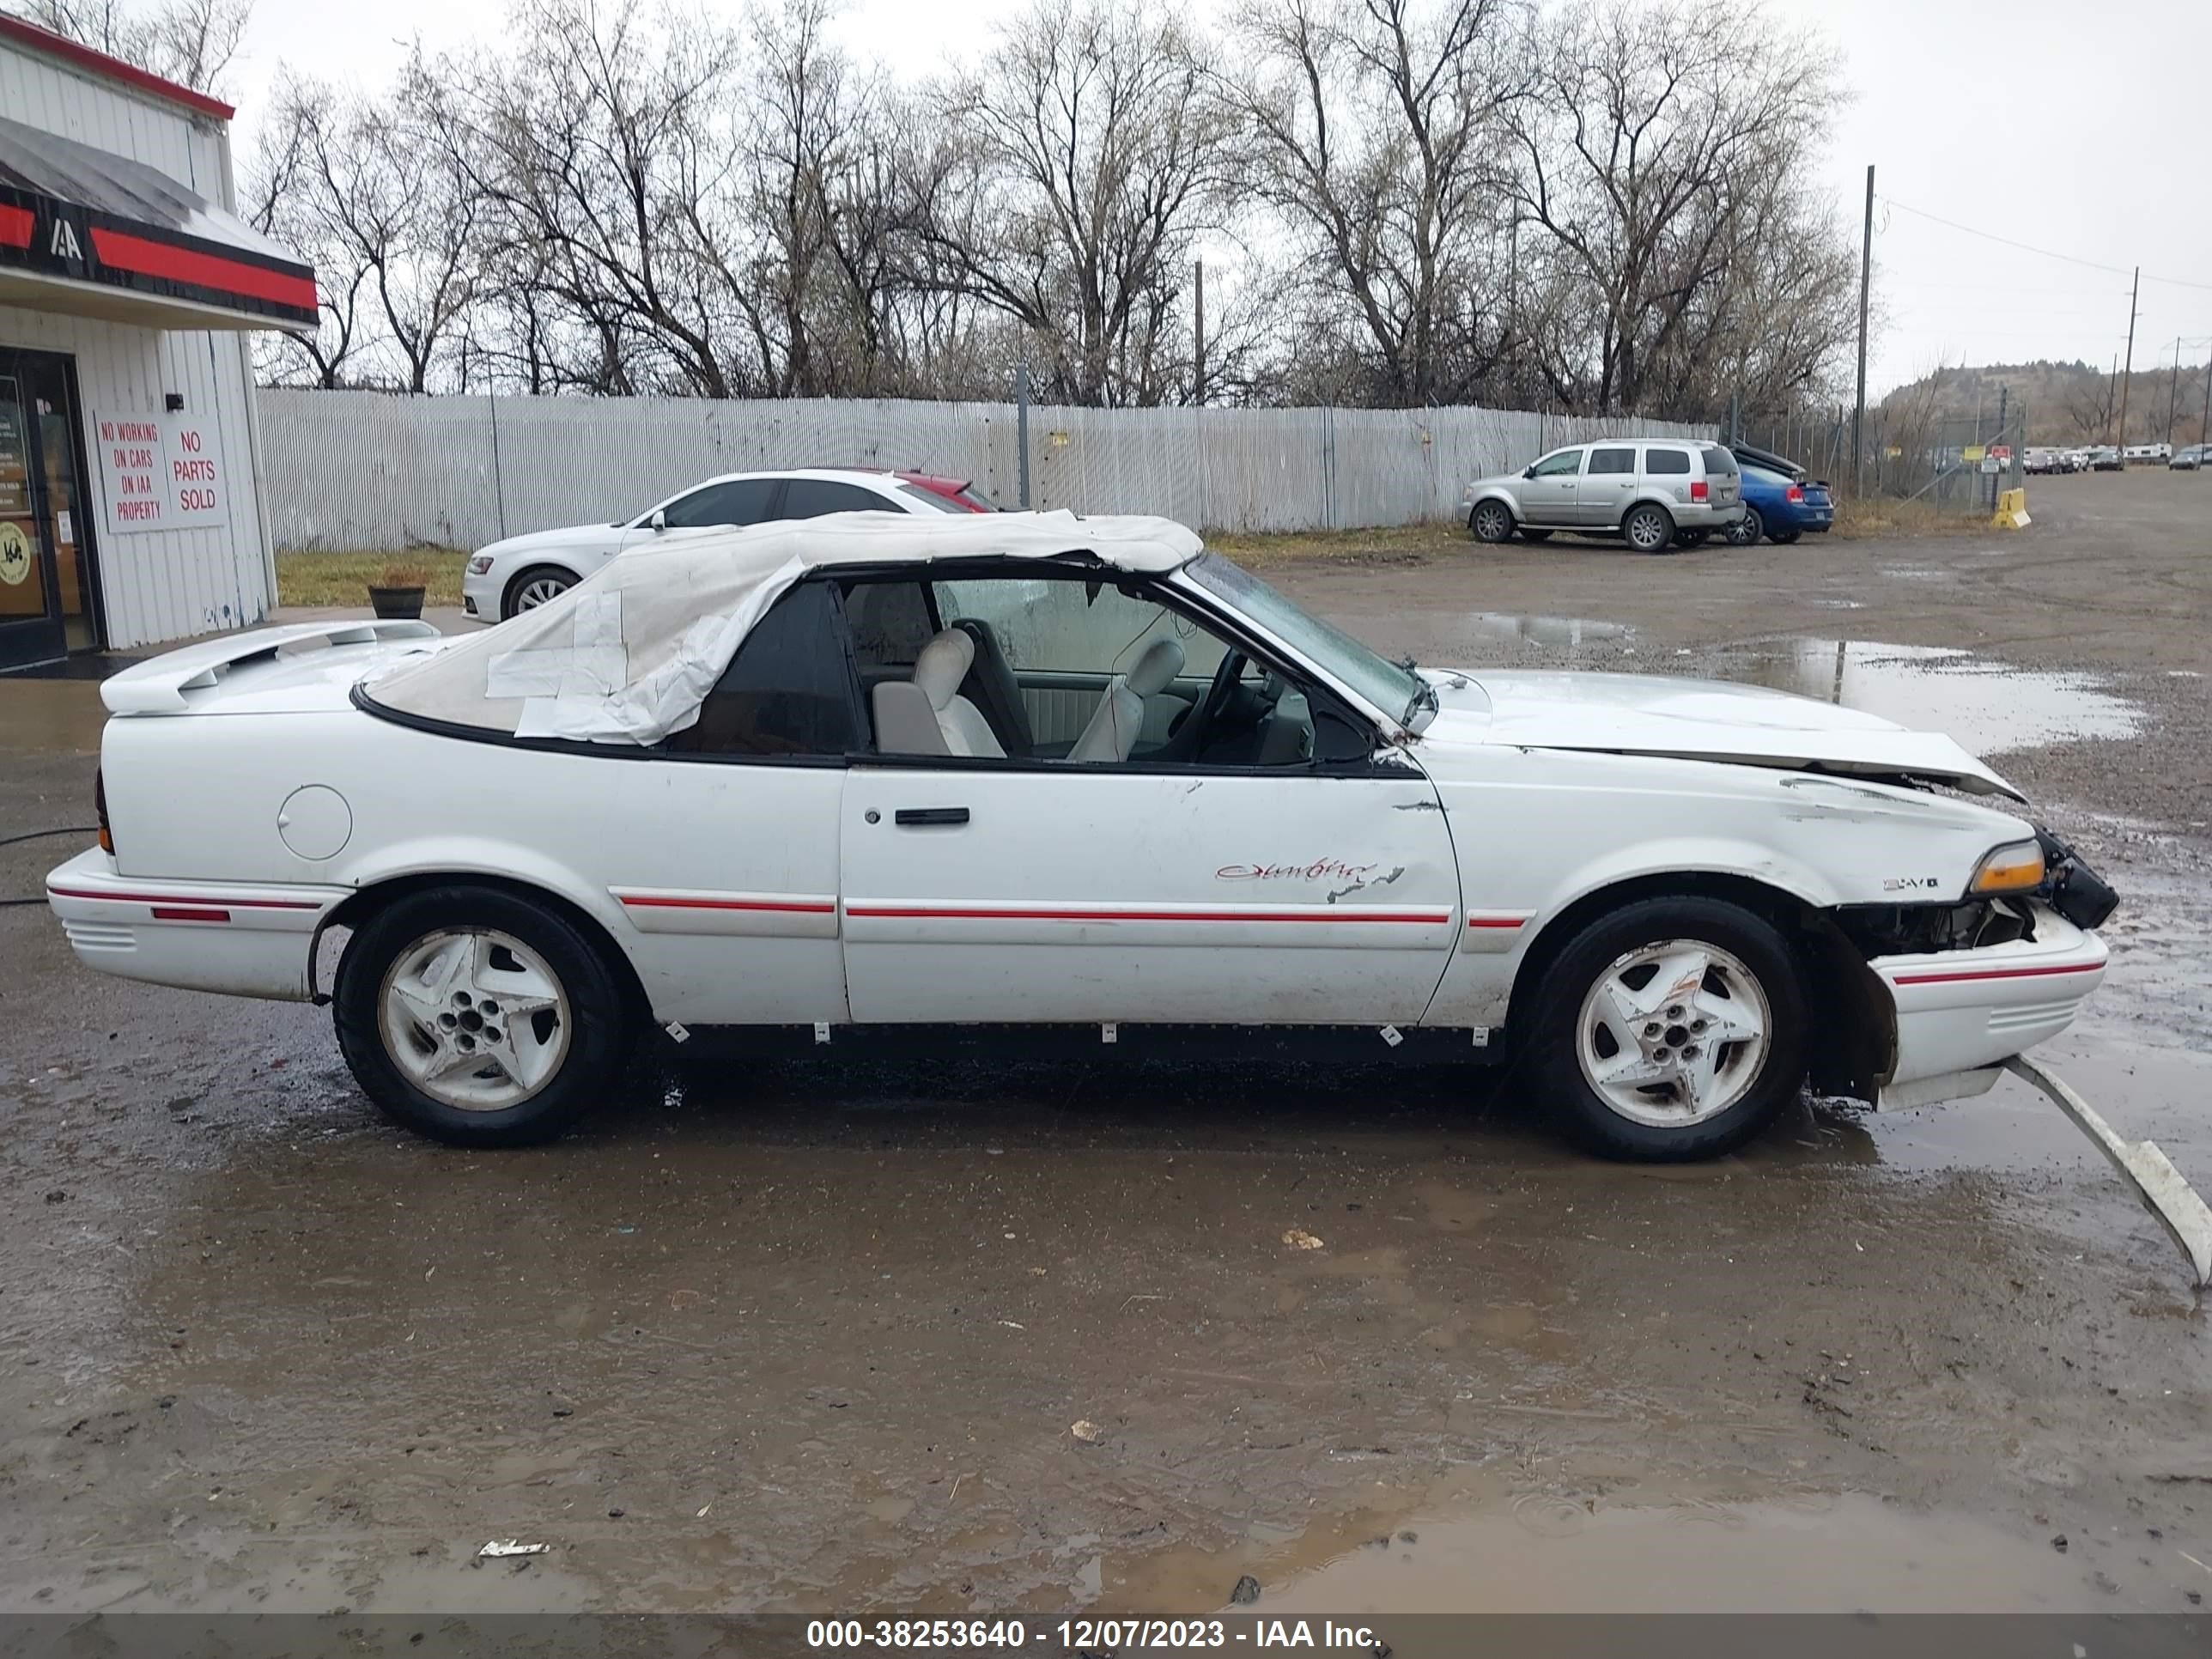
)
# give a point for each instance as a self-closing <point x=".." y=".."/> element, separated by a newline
<point x="162" y="472"/>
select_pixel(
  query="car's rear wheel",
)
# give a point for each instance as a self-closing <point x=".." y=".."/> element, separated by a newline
<point x="1535" y="535"/>
<point x="1670" y="1029"/>
<point x="476" y="1018"/>
<point x="1648" y="529"/>
<point x="539" y="584"/>
<point x="1747" y="530"/>
<point x="1491" y="521"/>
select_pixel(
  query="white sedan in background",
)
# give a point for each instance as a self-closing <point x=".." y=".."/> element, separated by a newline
<point x="992" y="776"/>
<point x="522" y="572"/>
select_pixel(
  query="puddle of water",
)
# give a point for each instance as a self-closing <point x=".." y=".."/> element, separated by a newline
<point x="50" y="717"/>
<point x="1803" y="1553"/>
<point x="1989" y="707"/>
<point x="1569" y="631"/>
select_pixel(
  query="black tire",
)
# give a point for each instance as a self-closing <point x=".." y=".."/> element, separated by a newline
<point x="1648" y="529"/>
<point x="1747" y="530"/>
<point x="1688" y="538"/>
<point x="1490" y="521"/>
<point x="1535" y="535"/>
<point x="1784" y="537"/>
<point x="1550" y="1043"/>
<point x="599" y="1028"/>
<point x="518" y="597"/>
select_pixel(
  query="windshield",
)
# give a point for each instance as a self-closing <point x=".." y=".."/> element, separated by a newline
<point x="1385" y="684"/>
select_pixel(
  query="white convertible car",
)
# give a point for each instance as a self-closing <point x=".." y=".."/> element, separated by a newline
<point x="816" y="782"/>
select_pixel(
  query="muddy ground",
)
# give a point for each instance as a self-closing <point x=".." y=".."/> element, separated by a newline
<point x="808" y="1338"/>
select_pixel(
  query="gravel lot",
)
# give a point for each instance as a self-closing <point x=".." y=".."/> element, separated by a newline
<point x="815" y="1338"/>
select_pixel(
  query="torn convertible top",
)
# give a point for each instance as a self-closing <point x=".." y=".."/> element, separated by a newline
<point x="629" y="655"/>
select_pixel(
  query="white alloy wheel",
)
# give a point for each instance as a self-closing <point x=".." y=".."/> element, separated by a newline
<point x="1673" y="1033"/>
<point x="474" y="1018"/>
<point x="541" y="589"/>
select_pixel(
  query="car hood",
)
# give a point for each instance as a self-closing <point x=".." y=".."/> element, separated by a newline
<point x="1691" y="720"/>
<point x="589" y="538"/>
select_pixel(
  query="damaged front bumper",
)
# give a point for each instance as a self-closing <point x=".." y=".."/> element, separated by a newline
<point x="1962" y="1013"/>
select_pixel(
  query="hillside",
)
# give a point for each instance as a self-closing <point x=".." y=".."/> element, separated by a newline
<point x="2067" y="402"/>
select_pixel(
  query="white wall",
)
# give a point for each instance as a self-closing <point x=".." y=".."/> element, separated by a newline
<point x="155" y="585"/>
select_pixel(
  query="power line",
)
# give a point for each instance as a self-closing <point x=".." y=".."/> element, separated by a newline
<point x="2044" y="252"/>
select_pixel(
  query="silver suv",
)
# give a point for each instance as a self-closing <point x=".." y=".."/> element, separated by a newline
<point x="1658" y="494"/>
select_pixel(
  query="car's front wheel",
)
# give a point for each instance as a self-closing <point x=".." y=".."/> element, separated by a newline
<point x="1647" y="529"/>
<point x="1669" y="1029"/>
<point x="539" y="584"/>
<point x="476" y="1018"/>
<point x="1747" y="530"/>
<point x="1491" y="521"/>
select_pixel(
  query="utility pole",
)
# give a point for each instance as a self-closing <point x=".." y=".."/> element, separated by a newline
<point x="1022" y="429"/>
<point x="2129" y="373"/>
<point x="1866" y="277"/>
<point x="1198" y="332"/>
<point x="2112" y="391"/>
<point x="2173" y="391"/>
<point x="2204" y="421"/>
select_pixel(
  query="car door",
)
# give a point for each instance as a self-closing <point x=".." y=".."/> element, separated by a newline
<point x="1549" y="492"/>
<point x="1249" y="882"/>
<point x="1607" y="486"/>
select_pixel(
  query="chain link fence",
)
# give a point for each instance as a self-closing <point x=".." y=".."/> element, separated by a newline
<point x="1956" y="463"/>
<point x="362" y="470"/>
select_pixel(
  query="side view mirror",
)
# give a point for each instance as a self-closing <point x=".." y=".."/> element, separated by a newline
<point x="1529" y="470"/>
<point x="659" y="519"/>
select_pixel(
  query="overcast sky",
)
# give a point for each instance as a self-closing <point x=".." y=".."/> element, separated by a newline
<point x="2069" y="126"/>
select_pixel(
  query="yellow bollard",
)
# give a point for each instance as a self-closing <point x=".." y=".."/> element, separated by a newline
<point x="2012" y="511"/>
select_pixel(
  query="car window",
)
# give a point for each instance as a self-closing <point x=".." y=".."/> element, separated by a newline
<point x="929" y="498"/>
<point x="890" y="622"/>
<point x="810" y="498"/>
<point x="1666" y="460"/>
<point x="1613" y="460"/>
<point x="1564" y="464"/>
<point x="1719" y="463"/>
<point x="734" y="501"/>
<point x="1065" y="626"/>
<point x="789" y="689"/>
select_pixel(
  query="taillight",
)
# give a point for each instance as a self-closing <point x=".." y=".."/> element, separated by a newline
<point x="1697" y="490"/>
<point x="99" y="811"/>
<point x="1795" y="492"/>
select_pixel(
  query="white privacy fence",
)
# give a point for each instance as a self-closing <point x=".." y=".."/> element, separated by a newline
<point x="361" y="470"/>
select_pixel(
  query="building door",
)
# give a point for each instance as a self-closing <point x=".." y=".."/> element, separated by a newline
<point x="47" y="588"/>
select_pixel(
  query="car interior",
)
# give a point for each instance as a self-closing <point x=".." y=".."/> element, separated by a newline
<point x="1061" y="665"/>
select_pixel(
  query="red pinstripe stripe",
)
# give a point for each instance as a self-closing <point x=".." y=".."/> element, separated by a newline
<point x="1997" y="973"/>
<point x="190" y="899"/>
<point x="800" y="907"/>
<point x="939" y="913"/>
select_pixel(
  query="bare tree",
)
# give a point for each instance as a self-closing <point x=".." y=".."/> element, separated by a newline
<point x="1373" y="131"/>
<point x="190" y="42"/>
<point x="1657" y="153"/>
<point x="1067" y="185"/>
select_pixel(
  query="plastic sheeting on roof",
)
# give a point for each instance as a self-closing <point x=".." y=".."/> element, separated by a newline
<point x="629" y="655"/>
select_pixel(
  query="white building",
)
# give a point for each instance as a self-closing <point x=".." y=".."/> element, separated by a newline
<point x="130" y="498"/>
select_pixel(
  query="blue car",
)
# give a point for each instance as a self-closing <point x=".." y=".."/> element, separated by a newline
<point x="1780" y="507"/>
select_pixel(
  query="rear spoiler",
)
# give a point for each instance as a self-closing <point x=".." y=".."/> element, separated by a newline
<point x="158" y="685"/>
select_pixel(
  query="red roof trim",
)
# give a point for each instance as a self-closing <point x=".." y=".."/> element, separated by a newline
<point x="16" y="225"/>
<point x="182" y="264"/>
<point x="100" y="65"/>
